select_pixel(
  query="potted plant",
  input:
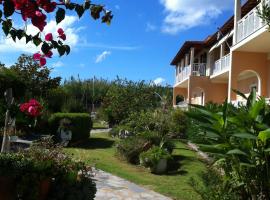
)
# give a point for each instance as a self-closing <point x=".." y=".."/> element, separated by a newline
<point x="155" y="159"/>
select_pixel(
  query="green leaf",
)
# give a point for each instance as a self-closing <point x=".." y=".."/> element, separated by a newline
<point x="264" y="135"/>
<point x="80" y="10"/>
<point x="9" y="8"/>
<point x="61" y="50"/>
<point x="242" y="164"/>
<point x="1" y="13"/>
<point x="240" y="94"/>
<point x="19" y="34"/>
<point x="267" y="150"/>
<point x="245" y="136"/>
<point x="28" y="38"/>
<point x="86" y="5"/>
<point x="36" y="40"/>
<point x="237" y="152"/>
<point x="45" y="48"/>
<point x="13" y="35"/>
<point x="60" y="15"/>
<point x="95" y="12"/>
<point x="6" y="26"/>
<point x="67" y="49"/>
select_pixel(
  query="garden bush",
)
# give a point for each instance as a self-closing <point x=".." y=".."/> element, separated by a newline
<point x="25" y="173"/>
<point x="179" y="124"/>
<point x="81" y="124"/>
<point x="130" y="148"/>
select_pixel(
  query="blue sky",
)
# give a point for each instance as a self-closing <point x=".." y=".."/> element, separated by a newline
<point x="139" y="44"/>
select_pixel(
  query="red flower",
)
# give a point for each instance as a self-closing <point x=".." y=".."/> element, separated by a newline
<point x="36" y="56"/>
<point x="49" y="7"/>
<point x="49" y="54"/>
<point x="49" y="37"/>
<point x="60" y="31"/>
<point x="31" y="108"/>
<point x="63" y="36"/>
<point x="42" y="61"/>
<point x="39" y="21"/>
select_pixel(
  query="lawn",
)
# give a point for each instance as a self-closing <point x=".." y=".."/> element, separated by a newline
<point x="99" y="151"/>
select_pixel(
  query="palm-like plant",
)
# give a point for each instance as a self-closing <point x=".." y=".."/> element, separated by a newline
<point x="239" y="140"/>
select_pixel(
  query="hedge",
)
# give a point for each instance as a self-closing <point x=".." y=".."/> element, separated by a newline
<point x="81" y="124"/>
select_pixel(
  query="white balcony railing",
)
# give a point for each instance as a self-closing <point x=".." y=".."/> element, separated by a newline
<point x="221" y="65"/>
<point x="250" y="23"/>
<point x="197" y="69"/>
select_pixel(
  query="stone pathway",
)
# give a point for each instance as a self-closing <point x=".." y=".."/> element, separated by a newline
<point x="111" y="187"/>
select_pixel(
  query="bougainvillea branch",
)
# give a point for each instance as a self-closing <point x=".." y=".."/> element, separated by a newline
<point x="36" y="11"/>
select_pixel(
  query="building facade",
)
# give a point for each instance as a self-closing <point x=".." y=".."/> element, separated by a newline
<point x="236" y="57"/>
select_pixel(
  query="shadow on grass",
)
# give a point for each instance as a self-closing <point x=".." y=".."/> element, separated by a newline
<point x="175" y="165"/>
<point x="95" y="143"/>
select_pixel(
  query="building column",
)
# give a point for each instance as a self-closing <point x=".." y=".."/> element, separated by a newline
<point x="186" y="60"/>
<point x="222" y="50"/>
<point x="192" y="53"/>
<point x="237" y="17"/>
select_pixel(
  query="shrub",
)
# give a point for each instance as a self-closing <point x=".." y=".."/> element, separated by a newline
<point x="179" y="124"/>
<point x="81" y="124"/>
<point x="130" y="148"/>
<point x="73" y="105"/>
<point x="45" y="162"/>
<point x="213" y="186"/>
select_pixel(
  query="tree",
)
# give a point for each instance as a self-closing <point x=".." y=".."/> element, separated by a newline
<point x="37" y="80"/>
<point x="264" y="13"/>
<point x="125" y="97"/>
<point x="36" y="12"/>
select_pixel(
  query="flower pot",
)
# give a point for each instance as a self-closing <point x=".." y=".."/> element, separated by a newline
<point x="161" y="167"/>
<point x="7" y="188"/>
<point x="44" y="188"/>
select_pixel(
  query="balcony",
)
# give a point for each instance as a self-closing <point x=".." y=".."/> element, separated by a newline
<point x="221" y="65"/>
<point x="197" y="69"/>
<point x="249" y="24"/>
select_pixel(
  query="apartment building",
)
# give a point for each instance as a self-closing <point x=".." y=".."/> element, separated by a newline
<point x="237" y="57"/>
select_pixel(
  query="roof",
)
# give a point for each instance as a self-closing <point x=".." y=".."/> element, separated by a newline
<point x="211" y="40"/>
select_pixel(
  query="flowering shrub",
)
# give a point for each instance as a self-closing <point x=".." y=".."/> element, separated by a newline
<point x="31" y="108"/>
<point x="36" y="11"/>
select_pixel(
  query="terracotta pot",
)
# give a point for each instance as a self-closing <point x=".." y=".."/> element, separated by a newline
<point x="7" y="188"/>
<point x="44" y="188"/>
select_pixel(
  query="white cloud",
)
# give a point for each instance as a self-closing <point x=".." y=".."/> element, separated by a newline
<point x="185" y="14"/>
<point x="159" y="81"/>
<point x="58" y="64"/>
<point x="8" y="45"/>
<point x="150" y="27"/>
<point x="101" y="57"/>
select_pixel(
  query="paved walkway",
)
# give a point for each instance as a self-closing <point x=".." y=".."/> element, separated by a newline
<point x="111" y="187"/>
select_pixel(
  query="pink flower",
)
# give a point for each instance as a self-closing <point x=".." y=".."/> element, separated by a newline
<point x="31" y="108"/>
<point x="60" y="31"/>
<point x="63" y="36"/>
<point x="49" y="37"/>
<point x="49" y="54"/>
<point x="36" y="56"/>
<point x="42" y="61"/>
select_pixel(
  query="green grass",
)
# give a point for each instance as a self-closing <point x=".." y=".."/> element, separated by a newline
<point x="100" y="152"/>
<point x="99" y="125"/>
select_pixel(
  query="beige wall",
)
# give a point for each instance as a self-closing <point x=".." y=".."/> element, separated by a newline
<point x="242" y="61"/>
<point x="213" y="92"/>
<point x="179" y="91"/>
<point x="268" y="78"/>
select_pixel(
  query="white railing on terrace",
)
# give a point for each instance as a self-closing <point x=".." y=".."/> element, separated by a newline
<point x="222" y="64"/>
<point x="198" y="69"/>
<point x="183" y="75"/>
<point x="249" y="23"/>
